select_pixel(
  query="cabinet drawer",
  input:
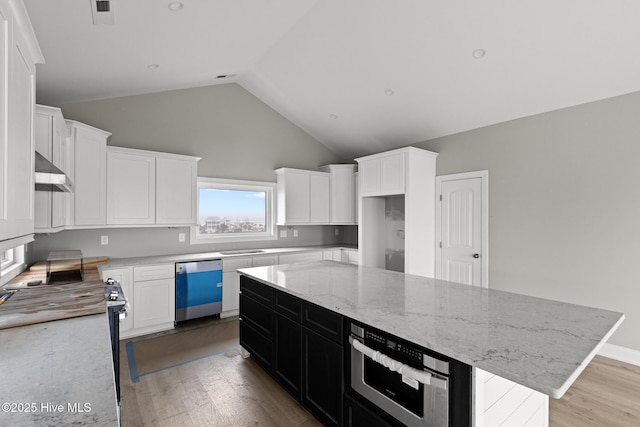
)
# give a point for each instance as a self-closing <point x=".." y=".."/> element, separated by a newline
<point x="233" y="264"/>
<point x="259" y="316"/>
<point x="288" y="306"/>
<point x="261" y="261"/>
<point x="256" y="290"/>
<point x="261" y="348"/>
<point x="322" y="321"/>
<point x="154" y="272"/>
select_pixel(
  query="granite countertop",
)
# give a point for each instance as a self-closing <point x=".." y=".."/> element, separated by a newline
<point x="541" y="344"/>
<point x="58" y="373"/>
<point x="156" y="259"/>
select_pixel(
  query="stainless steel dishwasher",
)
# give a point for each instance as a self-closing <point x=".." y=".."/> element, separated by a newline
<point x="198" y="289"/>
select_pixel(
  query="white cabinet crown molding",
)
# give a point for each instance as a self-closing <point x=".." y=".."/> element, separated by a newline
<point x="22" y="20"/>
<point x="73" y="123"/>
<point x="160" y="154"/>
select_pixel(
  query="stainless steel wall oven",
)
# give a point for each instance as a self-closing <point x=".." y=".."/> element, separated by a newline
<point x="415" y="386"/>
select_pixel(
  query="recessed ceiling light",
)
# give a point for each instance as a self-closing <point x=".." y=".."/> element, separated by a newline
<point x="153" y="66"/>
<point x="175" y="6"/>
<point x="389" y="92"/>
<point x="333" y="116"/>
<point x="479" y="53"/>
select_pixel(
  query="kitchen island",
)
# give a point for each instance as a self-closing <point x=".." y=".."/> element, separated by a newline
<point x="540" y="344"/>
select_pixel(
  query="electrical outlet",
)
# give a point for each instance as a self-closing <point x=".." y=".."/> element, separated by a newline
<point x="295" y="233"/>
<point x="181" y="237"/>
<point x="104" y="240"/>
<point x="337" y="231"/>
<point x="283" y="233"/>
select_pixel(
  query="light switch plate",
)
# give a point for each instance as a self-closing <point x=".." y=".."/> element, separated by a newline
<point x="181" y="237"/>
<point x="295" y="233"/>
<point x="104" y="240"/>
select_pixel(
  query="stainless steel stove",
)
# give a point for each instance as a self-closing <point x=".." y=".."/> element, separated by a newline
<point x="116" y="310"/>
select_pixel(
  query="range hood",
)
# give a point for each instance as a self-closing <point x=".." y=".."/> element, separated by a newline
<point x="49" y="177"/>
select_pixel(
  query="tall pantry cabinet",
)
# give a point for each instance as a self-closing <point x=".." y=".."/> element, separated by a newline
<point x="19" y="54"/>
<point x="397" y="204"/>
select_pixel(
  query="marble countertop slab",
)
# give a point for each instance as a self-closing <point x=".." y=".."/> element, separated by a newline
<point x="541" y="344"/>
<point x="159" y="259"/>
<point x="58" y="374"/>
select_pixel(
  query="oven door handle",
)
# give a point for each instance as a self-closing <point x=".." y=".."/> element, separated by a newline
<point x="396" y="366"/>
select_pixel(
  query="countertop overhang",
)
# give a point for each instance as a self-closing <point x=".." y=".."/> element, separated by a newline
<point x="539" y="343"/>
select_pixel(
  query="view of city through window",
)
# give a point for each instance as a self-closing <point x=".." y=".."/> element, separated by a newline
<point x="231" y="211"/>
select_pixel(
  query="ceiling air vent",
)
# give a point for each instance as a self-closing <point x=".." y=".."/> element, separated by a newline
<point x="102" y="12"/>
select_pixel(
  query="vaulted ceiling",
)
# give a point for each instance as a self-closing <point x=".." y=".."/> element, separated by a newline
<point x="360" y="76"/>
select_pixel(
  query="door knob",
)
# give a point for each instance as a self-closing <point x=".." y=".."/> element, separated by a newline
<point x="476" y="255"/>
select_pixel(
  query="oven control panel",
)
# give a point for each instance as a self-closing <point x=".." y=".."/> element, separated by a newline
<point x="409" y="352"/>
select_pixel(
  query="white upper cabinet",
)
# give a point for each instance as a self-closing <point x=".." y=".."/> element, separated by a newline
<point x="176" y="190"/>
<point x="319" y="199"/>
<point x="148" y="188"/>
<point x="408" y="175"/>
<point x="19" y="52"/>
<point x="342" y="191"/>
<point x="52" y="141"/>
<point x="303" y="197"/>
<point x="131" y="187"/>
<point x="382" y="174"/>
<point x="89" y="175"/>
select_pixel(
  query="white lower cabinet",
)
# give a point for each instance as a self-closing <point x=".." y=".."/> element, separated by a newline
<point x="352" y="256"/>
<point x="349" y="256"/>
<point x="155" y="302"/>
<point x="150" y="290"/>
<point x="231" y="280"/>
<point x="301" y="257"/>
<point x="231" y="285"/>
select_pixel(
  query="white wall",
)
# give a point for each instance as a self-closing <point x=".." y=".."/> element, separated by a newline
<point x="564" y="204"/>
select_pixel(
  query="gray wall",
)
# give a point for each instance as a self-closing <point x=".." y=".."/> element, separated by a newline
<point x="135" y="242"/>
<point x="237" y="136"/>
<point x="564" y="204"/>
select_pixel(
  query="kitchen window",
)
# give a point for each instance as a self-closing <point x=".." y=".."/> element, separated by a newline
<point x="11" y="263"/>
<point x="234" y="211"/>
<point x="6" y="259"/>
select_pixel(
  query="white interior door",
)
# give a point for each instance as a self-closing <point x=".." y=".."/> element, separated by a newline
<point x="462" y="227"/>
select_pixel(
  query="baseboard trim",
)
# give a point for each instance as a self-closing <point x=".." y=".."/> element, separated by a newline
<point x="622" y="354"/>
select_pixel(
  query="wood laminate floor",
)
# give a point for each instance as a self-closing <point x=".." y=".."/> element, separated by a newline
<point x="606" y="394"/>
<point x="228" y="390"/>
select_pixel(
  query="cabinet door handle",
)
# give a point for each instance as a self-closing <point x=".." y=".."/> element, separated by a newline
<point x="393" y="365"/>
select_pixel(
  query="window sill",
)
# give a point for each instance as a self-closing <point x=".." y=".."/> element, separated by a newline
<point x="11" y="272"/>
